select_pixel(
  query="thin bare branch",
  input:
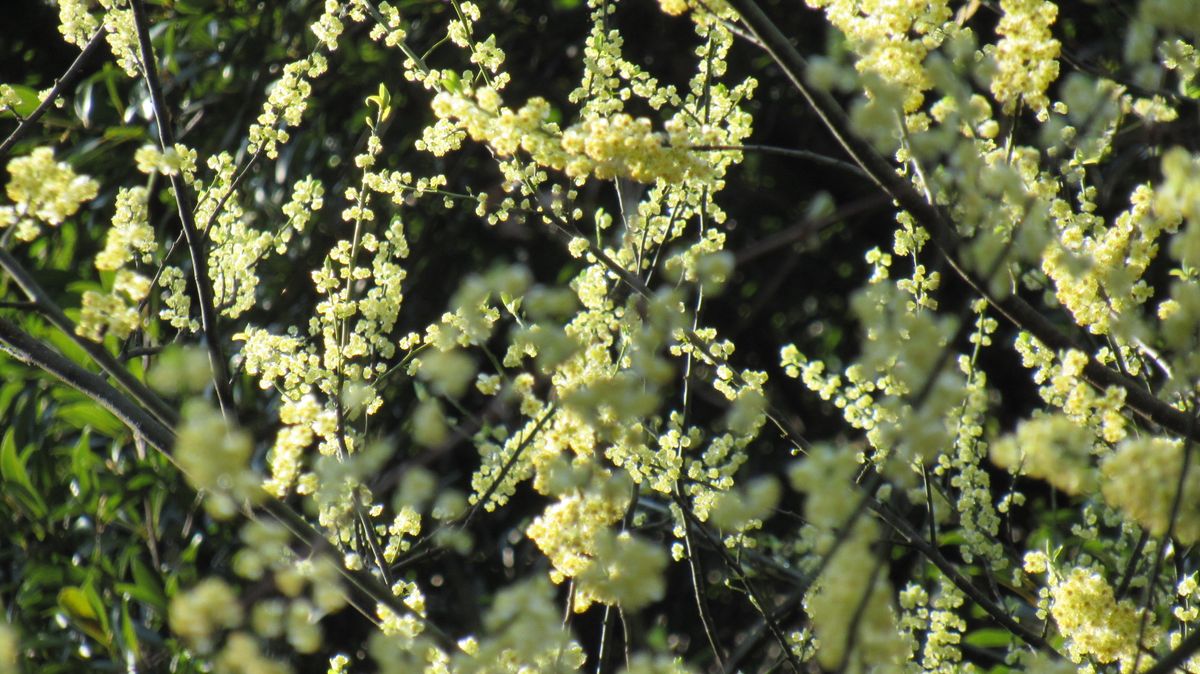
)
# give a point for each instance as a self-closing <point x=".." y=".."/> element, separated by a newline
<point x="166" y="137"/>
<point x="73" y="73"/>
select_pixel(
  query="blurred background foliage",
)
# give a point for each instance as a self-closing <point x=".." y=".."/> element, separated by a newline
<point x="97" y="532"/>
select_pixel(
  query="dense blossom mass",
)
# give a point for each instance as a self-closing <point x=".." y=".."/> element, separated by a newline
<point x="610" y="424"/>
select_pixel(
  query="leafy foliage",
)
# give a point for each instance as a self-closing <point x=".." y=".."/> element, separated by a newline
<point x="685" y="336"/>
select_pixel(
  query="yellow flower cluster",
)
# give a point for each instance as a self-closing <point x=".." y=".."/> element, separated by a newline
<point x="115" y="312"/>
<point x="1094" y="623"/>
<point x="1097" y="270"/>
<point x="625" y="571"/>
<point x="242" y="655"/>
<point x="1062" y="386"/>
<point x="746" y="508"/>
<point x="131" y="235"/>
<point x="75" y="22"/>
<point x="177" y="160"/>
<point x="1051" y="448"/>
<point x="851" y="578"/>
<point x="892" y="38"/>
<point x="1142" y="479"/>
<point x="122" y="36"/>
<point x="1027" y="54"/>
<point x="603" y="147"/>
<point x="939" y="622"/>
<point x="568" y="530"/>
<point x="215" y="458"/>
<point x="523" y="633"/>
<point x="286" y="102"/>
<point x="198" y="614"/>
<point x="42" y="190"/>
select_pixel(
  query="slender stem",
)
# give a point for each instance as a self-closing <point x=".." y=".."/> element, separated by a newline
<point x="166" y="137"/>
<point x="806" y="228"/>
<point x="73" y="73"/>
<point x="755" y="598"/>
<point x="806" y="155"/>
<point x="948" y="569"/>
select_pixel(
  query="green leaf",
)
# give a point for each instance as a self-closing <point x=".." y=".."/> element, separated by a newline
<point x="29" y="101"/>
<point x="83" y="461"/>
<point x="122" y="133"/>
<point x="12" y="470"/>
<point x="77" y="604"/>
<point x="989" y="637"/>
<point x="129" y="632"/>
<point x="87" y="414"/>
<point x="147" y="584"/>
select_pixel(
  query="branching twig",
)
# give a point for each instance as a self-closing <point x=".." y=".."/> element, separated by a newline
<point x="73" y="73"/>
<point x="951" y="572"/>
<point x="166" y="137"/>
<point x="733" y="566"/>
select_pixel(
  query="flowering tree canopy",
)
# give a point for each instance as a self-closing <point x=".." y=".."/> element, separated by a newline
<point x="606" y="335"/>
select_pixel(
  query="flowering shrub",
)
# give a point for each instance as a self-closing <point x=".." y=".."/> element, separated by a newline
<point x="403" y="337"/>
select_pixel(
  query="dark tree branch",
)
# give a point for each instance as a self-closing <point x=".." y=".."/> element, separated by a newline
<point x="28" y="350"/>
<point x="73" y="73"/>
<point x="140" y="392"/>
<point x="166" y="137"/>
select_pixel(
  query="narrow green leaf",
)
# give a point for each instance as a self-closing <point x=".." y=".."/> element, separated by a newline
<point x="147" y="582"/>
<point x="12" y="470"/>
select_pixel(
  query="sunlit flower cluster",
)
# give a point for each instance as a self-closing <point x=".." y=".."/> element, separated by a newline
<point x="1026" y="55"/>
<point x="1095" y="624"/>
<point x="42" y="190"/>
<point x="215" y="458"/>
<point x="1143" y="479"/>
<point x="892" y="38"/>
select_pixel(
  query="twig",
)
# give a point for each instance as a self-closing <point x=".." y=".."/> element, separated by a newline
<point x="73" y="73"/>
<point x="806" y="228"/>
<point x="166" y="137"/>
<point x="948" y="569"/>
<point x="21" y="306"/>
<point x="755" y="598"/>
<point x="806" y="155"/>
